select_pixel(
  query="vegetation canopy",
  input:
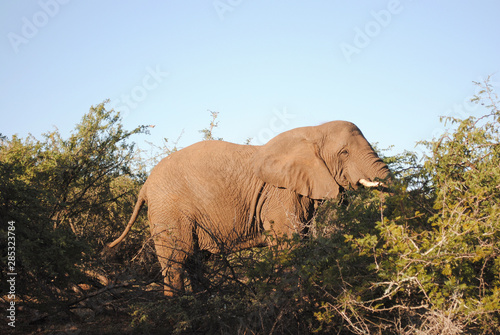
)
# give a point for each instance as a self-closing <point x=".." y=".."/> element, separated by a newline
<point x="422" y="259"/>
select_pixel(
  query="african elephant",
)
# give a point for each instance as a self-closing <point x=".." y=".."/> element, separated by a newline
<point x="217" y="196"/>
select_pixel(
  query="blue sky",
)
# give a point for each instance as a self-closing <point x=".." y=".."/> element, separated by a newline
<point x="392" y="67"/>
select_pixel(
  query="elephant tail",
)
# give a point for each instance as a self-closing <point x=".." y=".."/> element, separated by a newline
<point x="138" y="205"/>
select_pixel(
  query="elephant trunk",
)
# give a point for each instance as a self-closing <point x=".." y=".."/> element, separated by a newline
<point x="378" y="171"/>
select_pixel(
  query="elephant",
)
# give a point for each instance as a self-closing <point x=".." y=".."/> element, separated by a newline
<point x="214" y="196"/>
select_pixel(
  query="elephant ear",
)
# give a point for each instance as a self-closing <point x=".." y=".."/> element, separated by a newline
<point x="291" y="160"/>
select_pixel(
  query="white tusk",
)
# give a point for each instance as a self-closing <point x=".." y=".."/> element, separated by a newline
<point x="367" y="183"/>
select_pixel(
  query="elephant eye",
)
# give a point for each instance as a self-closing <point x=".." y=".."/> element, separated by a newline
<point x="344" y="153"/>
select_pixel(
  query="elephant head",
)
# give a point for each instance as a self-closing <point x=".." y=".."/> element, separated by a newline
<point x="319" y="162"/>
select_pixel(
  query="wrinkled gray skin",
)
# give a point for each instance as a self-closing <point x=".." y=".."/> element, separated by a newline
<point x="220" y="197"/>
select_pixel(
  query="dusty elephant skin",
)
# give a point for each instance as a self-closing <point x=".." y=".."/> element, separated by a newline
<point x="217" y="195"/>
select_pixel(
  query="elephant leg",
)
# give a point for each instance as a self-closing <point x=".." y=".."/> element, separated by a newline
<point x="173" y="279"/>
<point x="196" y="270"/>
<point x="173" y="249"/>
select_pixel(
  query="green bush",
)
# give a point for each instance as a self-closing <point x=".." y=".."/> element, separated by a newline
<point x="430" y="261"/>
<point x="67" y="198"/>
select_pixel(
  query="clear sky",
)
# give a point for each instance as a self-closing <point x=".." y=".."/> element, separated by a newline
<point x="391" y="67"/>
